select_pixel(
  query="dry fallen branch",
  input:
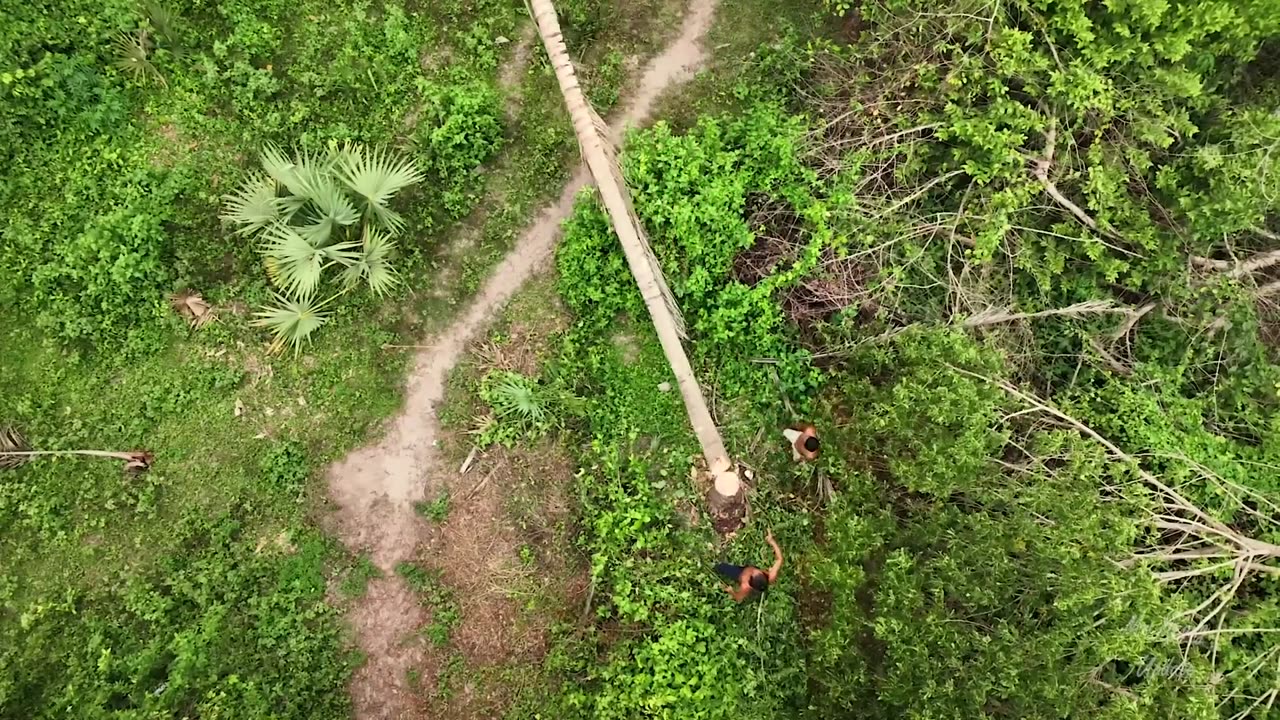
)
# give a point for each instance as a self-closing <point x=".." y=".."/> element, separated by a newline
<point x="1090" y="307"/>
<point x="1111" y="361"/>
<point x="1040" y="168"/>
<point x="1267" y="290"/>
<point x="1242" y="268"/>
<point x="15" y="452"/>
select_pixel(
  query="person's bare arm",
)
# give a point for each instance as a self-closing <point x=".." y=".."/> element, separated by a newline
<point x="777" y="557"/>
<point x="739" y="593"/>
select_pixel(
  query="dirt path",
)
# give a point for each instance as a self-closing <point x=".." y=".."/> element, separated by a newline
<point x="374" y="488"/>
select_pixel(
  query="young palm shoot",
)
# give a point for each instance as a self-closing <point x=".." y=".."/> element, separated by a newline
<point x="327" y="208"/>
<point x="516" y="397"/>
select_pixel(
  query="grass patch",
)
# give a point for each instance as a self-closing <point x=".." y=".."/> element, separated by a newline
<point x="436" y="511"/>
<point x="437" y="597"/>
<point x="356" y="582"/>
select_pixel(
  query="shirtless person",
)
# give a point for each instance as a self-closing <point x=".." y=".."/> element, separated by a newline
<point x="750" y="578"/>
<point x="804" y="442"/>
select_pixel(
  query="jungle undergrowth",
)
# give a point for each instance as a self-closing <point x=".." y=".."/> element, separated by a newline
<point x="223" y="535"/>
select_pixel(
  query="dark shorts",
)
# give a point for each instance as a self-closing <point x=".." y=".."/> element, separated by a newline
<point x="731" y="572"/>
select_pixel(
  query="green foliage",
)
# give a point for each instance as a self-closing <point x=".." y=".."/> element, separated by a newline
<point x="604" y="81"/>
<point x="436" y="597"/>
<point x="460" y="128"/>
<point x="523" y="408"/>
<point x="284" y="468"/>
<point x="957" y="583"/>
<point x="100" y="280"/>
<point x="692" y="192"/>
<point x="436" y="510"/>
<point x="1135" y="104"/>
<point x="292" y="322"/>
<point x="688" y="655"/>
<point x="193" y="590"/>
<point x="356" y="582"/>
<point x="179" y="639"/>
<point x="976" y="561"/>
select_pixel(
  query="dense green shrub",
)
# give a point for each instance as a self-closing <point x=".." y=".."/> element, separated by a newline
<point x="691" y="192"/>
<point x="978" y="557"/>
<point x="992" y="588"/>
<point x="460" y="129"/>
<point x="110" y="276"/>
<point x="235" y="75"/>
<point x="224" y="629"/>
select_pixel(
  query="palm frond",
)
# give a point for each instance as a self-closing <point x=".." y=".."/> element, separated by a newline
<point x="515" y="396"/>
<point x="11" y="441"/>
<point x="192" y="306"/>
<point x="290" y="205"/>
<point x="328" y="203"/>
<point x="291" y="321"/>
<point x="298" y="264"/>
<point x="313" y="169"/>
<point x="373" y="264"/>
<point x="281" y="168"/>
<point x="133" y="56"/>
<point x="254" y="206"/>
<point x="346" y="252"/>
<point x="376" y="176"/>
<point x="164" y="22"/>
<point x="317" y="234"/>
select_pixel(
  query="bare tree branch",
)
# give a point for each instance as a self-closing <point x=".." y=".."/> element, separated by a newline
<point x="1089" y="307"/>
<point x="1041" y="166"/>
<point x="1241" y="268"/>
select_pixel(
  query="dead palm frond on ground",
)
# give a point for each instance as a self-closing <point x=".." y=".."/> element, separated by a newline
<point x="16" y="452"/>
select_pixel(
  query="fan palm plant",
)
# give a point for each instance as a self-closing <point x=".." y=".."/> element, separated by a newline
<point x="133" y="56"/>
<point x="311" y="211"/>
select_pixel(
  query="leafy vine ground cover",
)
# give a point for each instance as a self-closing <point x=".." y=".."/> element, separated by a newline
<point x="1009" y="256"/>
<point x="207" y="585"/>
<point x="1016" y="260"/>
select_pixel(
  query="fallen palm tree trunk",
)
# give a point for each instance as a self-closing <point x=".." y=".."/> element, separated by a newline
<point x="725" y="498"/>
